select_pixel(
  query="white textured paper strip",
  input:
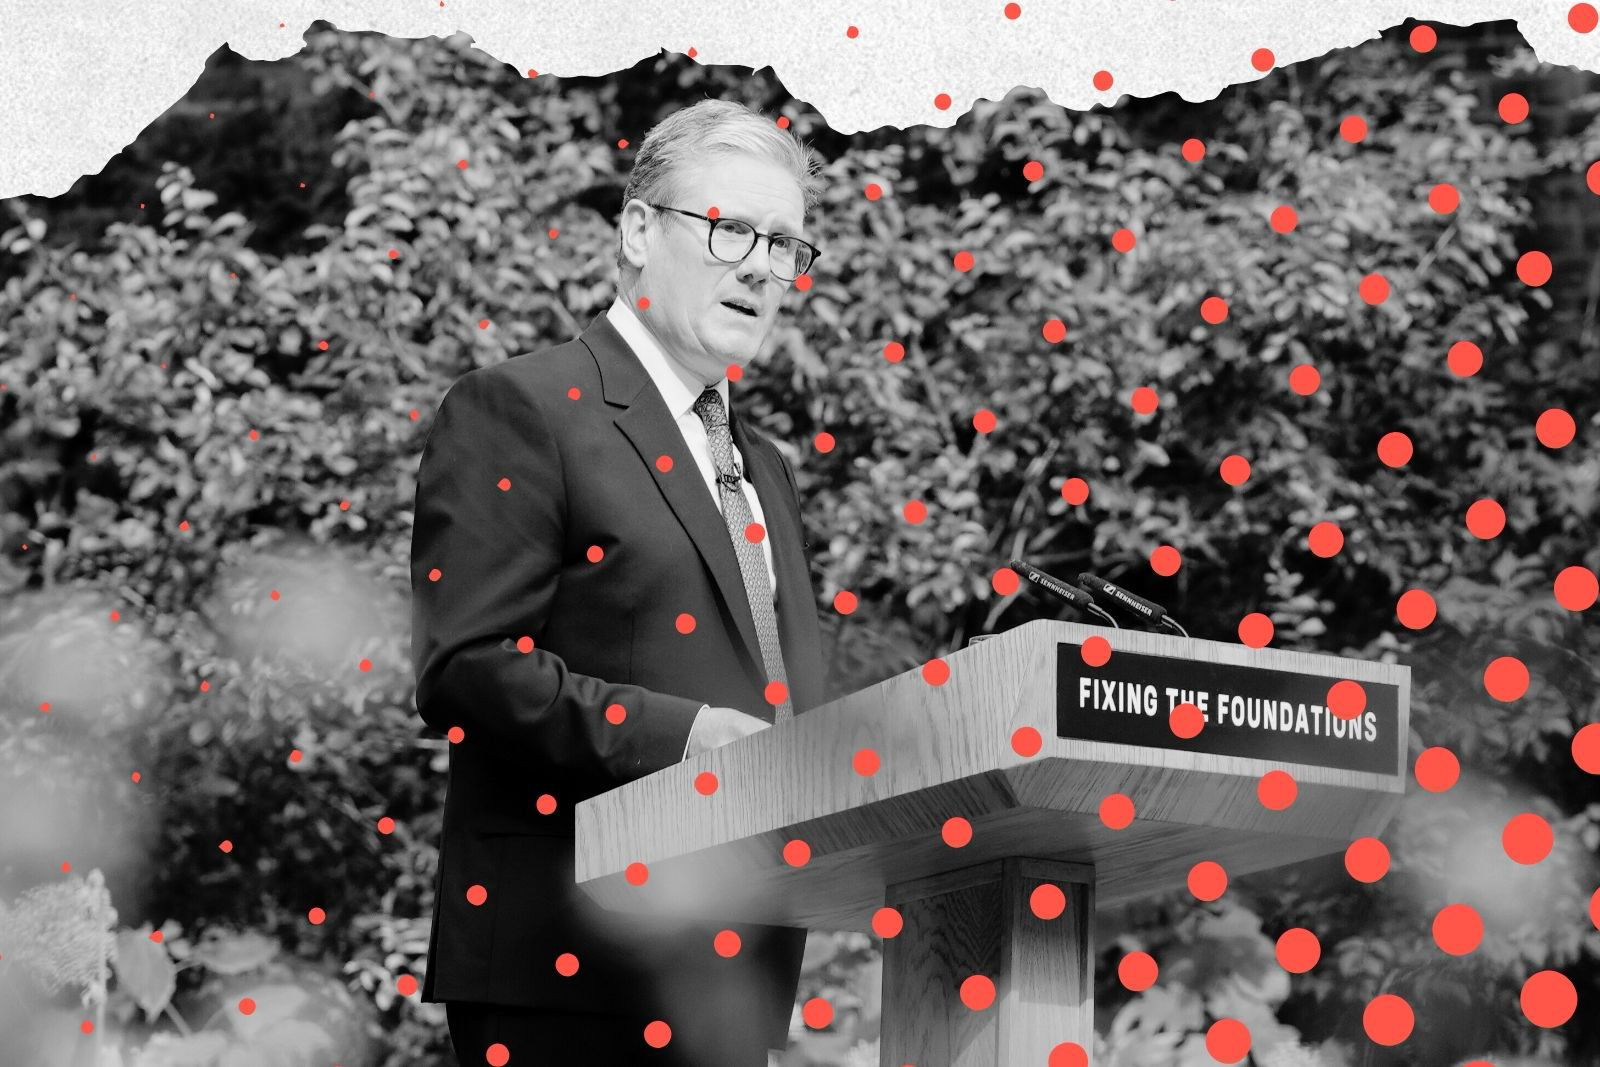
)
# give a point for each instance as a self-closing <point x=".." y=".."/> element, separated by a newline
<point x="80" y="79"/>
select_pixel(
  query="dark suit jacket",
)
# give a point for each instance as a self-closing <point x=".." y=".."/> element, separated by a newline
<point x="577" y="430"/>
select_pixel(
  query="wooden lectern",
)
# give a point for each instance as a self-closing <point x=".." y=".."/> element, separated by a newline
<point x="952" y="749"/>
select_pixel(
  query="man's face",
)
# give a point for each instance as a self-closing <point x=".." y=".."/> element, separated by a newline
<point x="687" y="285"/>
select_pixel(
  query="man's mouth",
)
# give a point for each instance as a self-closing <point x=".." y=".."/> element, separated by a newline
<point x="741" y="308"/>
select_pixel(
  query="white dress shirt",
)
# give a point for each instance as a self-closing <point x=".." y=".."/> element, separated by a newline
<point x="680" y="390"/>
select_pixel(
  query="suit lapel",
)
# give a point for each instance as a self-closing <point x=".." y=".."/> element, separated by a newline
<point x="643" y="417"/>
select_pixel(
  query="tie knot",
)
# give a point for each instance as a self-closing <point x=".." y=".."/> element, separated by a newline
<point x="709" y="407"/>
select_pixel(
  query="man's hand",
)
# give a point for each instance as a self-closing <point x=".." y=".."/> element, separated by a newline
<point x="715" y="727"/>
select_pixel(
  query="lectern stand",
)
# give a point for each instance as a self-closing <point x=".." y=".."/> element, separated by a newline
<point x="1030" y="732"/>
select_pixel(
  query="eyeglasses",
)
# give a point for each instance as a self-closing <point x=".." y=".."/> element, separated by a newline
<point x="731" y="240"/>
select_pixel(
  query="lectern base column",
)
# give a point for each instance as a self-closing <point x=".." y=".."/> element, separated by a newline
<point x="980" y="921"/>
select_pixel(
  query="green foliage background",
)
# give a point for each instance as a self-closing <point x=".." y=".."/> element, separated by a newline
<point x="224" y="393"/>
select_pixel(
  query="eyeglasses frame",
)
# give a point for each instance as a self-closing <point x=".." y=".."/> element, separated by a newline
<point x="816" y="253"/>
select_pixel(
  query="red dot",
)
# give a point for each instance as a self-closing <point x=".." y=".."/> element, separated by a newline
<point x="1228" y="1040"/>
<point x="963" y="261"/>
<point x="1054" y="331"/>
<point x="1123" y="240"/>
<point x="1026" y="741"/>
<point x="1255" y="630"/>
<point x="1116" y="811"/>
<point x="1235" y="470"/>
<point x="1145" y="400"/>
<point x="851" y="32"/>
<point x="496" y="1055"/>
<point x="1394" y="449"/>
<point x="1262" y="59"/>
<point x="1298" y="950"/>
<point x="524" y="644"/>
<point x="1594" y="909"/>
<point x="984" y="421"/>
<point x="1096" y="651"/>
<point x="1102" y="80"/>
<point x="657" y="1034"/>
<point x="1347" y="699"/>
<point x="1074" y="491"/>
<point x="636" y="873"/>
<point x="1388" y="1020"/>
<point x="615" y="713"/>
<point x="1305" y="379"/>
<point x="1367" y="859"/>
<point x="936" y="671"/>
<point x="1374" y="288"/>
<point x="1437" y="769"/>
<point x="956" y="832"/>
<point x="1582" y="17"/>
<point x="817" y="1013"/>
<point x="1284" y="219"/>
<point x="1214" y="309"/>
<point x="1548" y="999"/>
<point x="727" y="943"/>
<point x="684" y="623"/>
<point x="1592" y="176"/>
<point x="1325" y="539"/>
<point x="1004" y="581"/>
<point x="1586" y="748"/>
<point x="1533" y="268"/>
<point x="705" y="783"/>
<point x="824" y="442"/>
<point x="1137" y="971"/>
<point x="797" y="853"/>
<point x="1486" y="519"/>
<point x="977" y="992"/>
<point x="664" y="463"/>
<point x="1465" y="359"/>
<point x="1207" y="880"/>
<point x="406" y="985"/>
<point x="1513" y="108"/>
<point x="476" y="895"/>
<point x="1013" y="11"/>
<point x="1194" y="150"/>
<point x="1457" y="929"/>
<point x="1185" y="721"/>
<point x="1416" y="609"/>
<point x="1353" y="128"/>
<point x="1555" y="428"/>
<point x="1423" y="38"/>
<point x="545" y="804"/>
<point x="1047" y="901"/>
<point x="874" y="191"/>
<point x="845" y="602"/>
<point x="644" y="303"/>
<point x="1276" y="790"/>
<point x="776" y="693"/>
<point x="915" y="511"/>
<point x="1444" y="198"/>
<point x="566" y="965"/>
<point x="316" y="916"/>
<point x="1577" y="588"/>
<point x="942" y="101"/>
<point x="887" y="922"/>
<point x="1505" y="678"/>
<point x="1527" y="839"/>
<point x="1068" y="1054"/>
<point x="1166" y="560"/>
<point x="1033" y="170"/>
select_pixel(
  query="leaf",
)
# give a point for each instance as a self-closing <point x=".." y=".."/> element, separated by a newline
<point x="145" y="970"/>
<point x="235" y="953"/>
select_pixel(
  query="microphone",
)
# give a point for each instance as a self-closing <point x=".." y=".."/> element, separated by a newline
<point x="1146" y="610"/>
<point x="1066" y="591"/>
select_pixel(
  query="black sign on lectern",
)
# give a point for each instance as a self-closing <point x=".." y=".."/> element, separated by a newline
<point x="1253" y="712"/>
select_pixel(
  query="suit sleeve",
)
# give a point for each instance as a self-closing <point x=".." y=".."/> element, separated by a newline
<point x="486" y="551"/>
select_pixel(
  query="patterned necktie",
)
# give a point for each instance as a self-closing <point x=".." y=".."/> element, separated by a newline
<point x="736" y="513"/>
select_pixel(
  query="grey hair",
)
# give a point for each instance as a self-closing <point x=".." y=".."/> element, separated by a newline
<point x="689" y="134"/>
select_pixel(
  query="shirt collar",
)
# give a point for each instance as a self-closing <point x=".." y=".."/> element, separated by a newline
<point x="677" y="386"/>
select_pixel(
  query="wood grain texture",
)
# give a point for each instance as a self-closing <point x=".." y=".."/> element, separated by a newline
<point x="979" y="921"/>
<point x="945" y="751"/>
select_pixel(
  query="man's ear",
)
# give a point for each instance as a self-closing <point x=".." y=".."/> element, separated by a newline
<point x="634" y="230"/>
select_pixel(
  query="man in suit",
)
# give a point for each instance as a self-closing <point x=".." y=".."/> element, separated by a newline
<point x="609" y="575"/>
